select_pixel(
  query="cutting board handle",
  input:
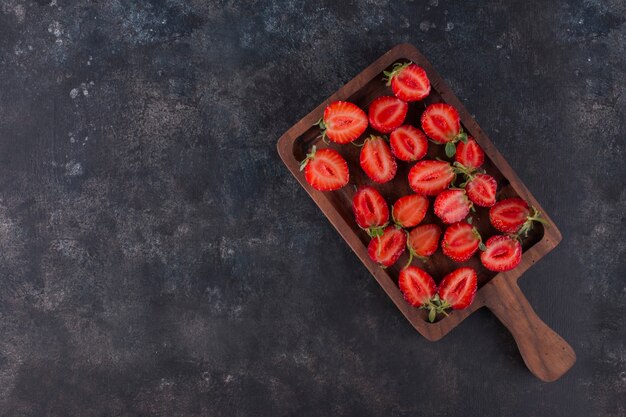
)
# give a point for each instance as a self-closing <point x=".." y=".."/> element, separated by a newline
<point x="545" y="353"/>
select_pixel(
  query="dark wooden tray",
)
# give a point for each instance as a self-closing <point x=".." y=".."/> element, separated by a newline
<point x="545" y="353"/>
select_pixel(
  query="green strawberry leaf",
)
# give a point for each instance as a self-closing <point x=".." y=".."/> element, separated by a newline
<point x="450" y="149"/>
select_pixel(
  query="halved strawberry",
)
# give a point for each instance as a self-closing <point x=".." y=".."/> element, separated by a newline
<point x="430" y="177"/>
<point x="387" y="113"/>
<point x="458" y="289"/>
<point x="460" y="241"/>
<point x="469" y="154"/>
<point x="440" y="121"/>
<point x="377" y="161"/>
<point x="408" y="81"/>
<point x="388" y="247"/>
<point x="481" y="190"/>
<point x="424" y="240"/>
<point x="418" y="288"/>
<point x="325" y="169"/>
<point x="452" y="206"/>
<point x="408" y="143"/>
<point x="343" y="122"/>
<point x="370" y="210"/>
<point x="503" y="253"/>
<point x="514" y="216"/>
<point x="409" y="211"/>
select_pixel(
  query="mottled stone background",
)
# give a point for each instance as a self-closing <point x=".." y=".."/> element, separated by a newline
<point x="157" y="259"/>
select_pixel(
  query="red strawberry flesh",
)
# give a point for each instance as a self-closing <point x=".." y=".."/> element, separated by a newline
<point x="377" y="161"/>
<point x="460" y="241"/>
<point x="370" y="209"/>
<point x="409" y="82"/>
<point x="409" y="211"/>
<point x="387" y="248"/>
<point x="509" y="215"/>
<point x="387" y="113"/>
<point x="424" y="240"/>
<point x="344" y="122"/>
<point x="441" y="122"/>
<point x="408" y="143"/>
<point x="430" y="177"/>
<point x="458" y="289"/>
<point x="325" y="169"/>
<point x="417" y="286"/>
<point x="469" y="154"/>
<point x="481" y="190"/>
<point x="452" y="206"/>
<point x="503" y="253"/>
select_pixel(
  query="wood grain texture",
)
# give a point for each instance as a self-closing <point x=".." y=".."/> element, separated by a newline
<point x="545" y="353"/>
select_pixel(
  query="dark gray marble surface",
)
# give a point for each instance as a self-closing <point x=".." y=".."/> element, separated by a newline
<point x="157" y="259"/>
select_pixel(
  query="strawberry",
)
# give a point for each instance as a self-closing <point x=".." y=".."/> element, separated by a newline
<point x="387" y="248"/>
<point x="481" y="190"/>
<point x="423" y="241"/>
<point x="460" y="241"/>
<point x="503" y="253"/>
<point x="452" y="206"/>
<point x="370" y="210"/>
<point x="469" y="154"/>
<point x="408" y="143"/>
<point x="387" y="113"/>
<point x="377" y="161"/>
<point x="418" y="288"/>
<point x="409" y="211"/>
<point x="457" y="289"/>
<point x="441" y="123"/>
<point x="430" y="177"/>
<point x="408" y="82"/>
<point x="325" y="169"/>
<point x="343" y="122"/>
<point x="514" y="216"/>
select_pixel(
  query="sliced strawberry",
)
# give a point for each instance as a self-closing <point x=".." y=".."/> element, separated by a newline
<point x="343" y="122"/>
<point x="424" y="240"/>
<point x="409" y="211"/>
<point x="452" y="206"/>
<point x="460" y="241"/>
<point x="370" y="210"/>
<point x="325" y="169"/>
<point x="458" y="289"/>
<point x="408" y="143"/>
<point x="509" y="215"/>
<point x="387" y="113"/>
<point x="481" y="190"/>
<point x="469" y="154"/>
<point x="377" y="161"/>
<point x="417" y="286"/>
<point x="408" y="82"/>
<point x="441" y="123"/>
<point x="387" y="248"/>
<point x="514" y="216"/>
<point x="430" y="177"/>
<point x="503" y="253"/>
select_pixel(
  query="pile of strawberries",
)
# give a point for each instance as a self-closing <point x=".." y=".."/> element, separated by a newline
<point x="457" y="186"/>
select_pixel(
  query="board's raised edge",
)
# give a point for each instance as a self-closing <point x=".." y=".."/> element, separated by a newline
<point x="431" y="331"/>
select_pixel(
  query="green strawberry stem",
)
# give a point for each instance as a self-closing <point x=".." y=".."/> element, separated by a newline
<point x="451" y="145"/>
<point x="410" y="258"/>
<point x="322" y="126"/>
<point x="376" y="231"/>
<point x="528" y="224"/>
<point x="435" y="306"/>
<point x="397" y="68"/>
<point x="481" y="245"/>
<point x="309" y="156"/>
